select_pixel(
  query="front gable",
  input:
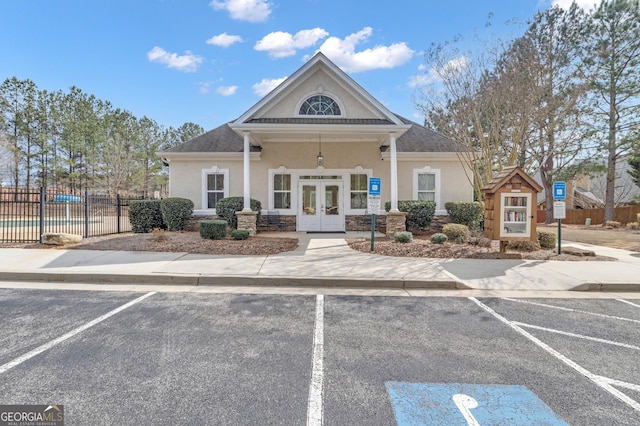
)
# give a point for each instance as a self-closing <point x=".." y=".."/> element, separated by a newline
<point x="318" y="76"/>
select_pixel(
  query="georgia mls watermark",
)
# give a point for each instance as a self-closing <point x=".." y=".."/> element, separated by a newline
<point x="32" y="415"/>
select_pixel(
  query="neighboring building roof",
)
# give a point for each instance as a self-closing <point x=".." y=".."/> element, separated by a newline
<point x="223" y="139"/>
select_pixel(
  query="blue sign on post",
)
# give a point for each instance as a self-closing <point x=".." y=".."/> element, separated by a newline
<point x="374" y="186"/>
<point x="559" y="191"/>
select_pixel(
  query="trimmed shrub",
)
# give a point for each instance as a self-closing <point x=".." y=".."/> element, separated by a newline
<point x="470" y="214"/>
<point x="215" y="229"/>
<point x="456" y="232"/>
<point x="226" y="209"/>
<point x="546" y="239"/>
<point x="176" y="213"/>
<point x="145" y="216"/>
<point x="419" y="213"/>
<point x="439" y="238"/>
<point x="240" y="234"/>
<point x="612" y="223"/>
<point x="524" y="245"/>
<point x="638" y="217"/>
<point x="634" y="226"/>
<point x="403" y="237"/>
<point x="480" y="240"/>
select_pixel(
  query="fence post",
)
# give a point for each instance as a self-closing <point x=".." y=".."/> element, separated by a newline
<point x="42" y="200"/>
<point x="86" y="214"/>
<point x="118" y="211"/>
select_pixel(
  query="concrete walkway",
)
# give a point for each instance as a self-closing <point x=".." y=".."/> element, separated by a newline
<point x="322" y="260"/>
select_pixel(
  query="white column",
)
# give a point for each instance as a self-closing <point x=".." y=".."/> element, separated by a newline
<point x="394" y="173"/>
<point x="247" y="174"/>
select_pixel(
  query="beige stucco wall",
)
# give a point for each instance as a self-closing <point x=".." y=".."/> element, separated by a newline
<point x="186" y="174"/>
<point x="321" y="83"/>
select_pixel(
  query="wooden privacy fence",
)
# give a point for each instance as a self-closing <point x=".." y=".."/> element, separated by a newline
<point x="623" y="215"/>
<point x="25" y="215"/>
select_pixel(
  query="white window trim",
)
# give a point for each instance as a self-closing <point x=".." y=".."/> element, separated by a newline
<point x="282" y="170"/>
<point x="205" y="173"/>
<point x="348" y="189"/>
<point x="428" y="170"/>
<point x="295" y="179"/>
<point x="320" y="91"/>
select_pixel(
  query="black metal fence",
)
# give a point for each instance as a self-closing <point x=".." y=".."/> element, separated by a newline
<point x="26" y="215"/>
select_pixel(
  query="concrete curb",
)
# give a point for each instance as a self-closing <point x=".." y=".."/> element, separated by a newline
<point x="237" y="280"/>
<point x="604" y="287"/>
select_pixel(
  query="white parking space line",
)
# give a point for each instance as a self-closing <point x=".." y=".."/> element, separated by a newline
<point x="628" y="303"/>
<point x="579" y="336"/>
<point x="562" y="308"/>
<point x="314" y="408"/>
<point x="9" y="365"/>
<point x="602" y="382"/>
<point x="620" y="383"/>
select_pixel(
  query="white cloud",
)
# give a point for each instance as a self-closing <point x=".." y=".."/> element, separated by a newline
<point x="584" y="4"/>
<point x="227" y="90"/>
<point x="205" y="87"/>
<point x="450" y="69"/>
<point x="343" y="53"/>
<point x="187" y="62"/>
<point x="224" y="40"/>
<point x="244" y="10"/>
<point x="265" y="86"/>
<point x="420" y="80"/>
<point x="280" y="44"/>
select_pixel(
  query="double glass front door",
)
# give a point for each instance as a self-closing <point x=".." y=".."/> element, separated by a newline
<point x="320" y="207"/>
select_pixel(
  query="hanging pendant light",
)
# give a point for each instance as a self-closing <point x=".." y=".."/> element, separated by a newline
<point x="320" y="158"/>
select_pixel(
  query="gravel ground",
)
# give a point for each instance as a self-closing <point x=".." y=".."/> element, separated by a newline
<point x="191" y="242"/>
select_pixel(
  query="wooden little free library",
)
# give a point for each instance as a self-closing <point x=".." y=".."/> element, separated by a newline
<point x="509" y="206"/>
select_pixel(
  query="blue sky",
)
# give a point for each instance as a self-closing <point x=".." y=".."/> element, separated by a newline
<point x="209" y="61"/>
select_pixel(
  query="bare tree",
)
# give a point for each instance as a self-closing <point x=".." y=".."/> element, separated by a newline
<point x="614" y="58"/>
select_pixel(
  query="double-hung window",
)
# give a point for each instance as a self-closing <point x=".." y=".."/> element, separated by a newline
<point x="281" y="191"/>
<point x="215" y="186"/>
<point x="215" y="189"/>
<point x="358" y="191"/>
<point x="426" y="187"/>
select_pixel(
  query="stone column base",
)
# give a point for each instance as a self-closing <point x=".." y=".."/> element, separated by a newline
<point x="396" y="222"/>
<point x="248" y="221"/>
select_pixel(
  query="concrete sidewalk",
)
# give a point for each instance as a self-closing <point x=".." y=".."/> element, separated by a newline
<point x="322" y="260"/>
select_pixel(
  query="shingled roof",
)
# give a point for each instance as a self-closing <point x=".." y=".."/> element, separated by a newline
<point x="223" y="139"/>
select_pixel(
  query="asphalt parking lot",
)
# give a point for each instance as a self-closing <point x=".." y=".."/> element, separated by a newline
<point x="184" y="358"/>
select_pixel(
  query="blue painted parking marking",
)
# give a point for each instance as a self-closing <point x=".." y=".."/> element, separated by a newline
<point x="468" y="405"/>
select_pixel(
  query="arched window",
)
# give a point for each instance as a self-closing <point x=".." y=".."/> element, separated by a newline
<point x="319" y="105"/>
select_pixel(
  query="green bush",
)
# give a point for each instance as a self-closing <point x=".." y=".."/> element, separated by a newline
<point x="456" y="232"/>
<point x="546" y="239"/>
<point x="403" y="237"/>
<point x="226" y="209"/>
<point x="240" y="234"/>
<point x="419" y="213"/>
<point x="470" y="214"/>
<point x="145" y="216"/>
<point x="215" y="229"/>
<point x="176" y="213"/>
<point x="439" y="238"/>
<point x="524" y="245"/>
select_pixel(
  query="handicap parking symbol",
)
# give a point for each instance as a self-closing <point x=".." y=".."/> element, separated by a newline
<point x="468" y="405"/>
